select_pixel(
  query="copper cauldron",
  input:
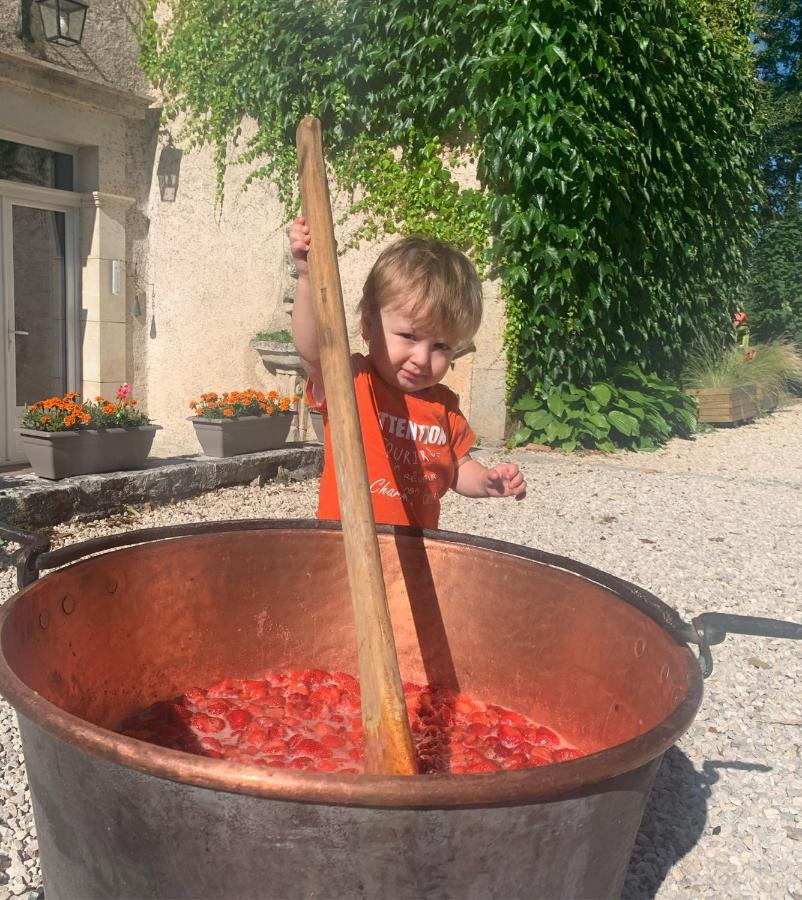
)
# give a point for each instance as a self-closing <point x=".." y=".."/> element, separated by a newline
<point x="602" y="661"/>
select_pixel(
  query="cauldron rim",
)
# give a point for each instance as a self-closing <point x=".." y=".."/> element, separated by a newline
<point x="420" y="791"/>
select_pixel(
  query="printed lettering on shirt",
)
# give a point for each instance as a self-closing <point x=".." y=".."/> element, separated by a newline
<point x="412" y="431"/>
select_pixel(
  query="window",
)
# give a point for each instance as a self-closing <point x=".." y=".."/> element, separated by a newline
<point x="35" y="165"/>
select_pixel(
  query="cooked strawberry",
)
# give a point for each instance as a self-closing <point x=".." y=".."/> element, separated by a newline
<point x="565" y="753"/>
<point x="238" y="718"/>
<point x="207" y="724"/>
<point x="509" y="736"/>
<point x="545" y="737"/>
<point x="329" y="696"/>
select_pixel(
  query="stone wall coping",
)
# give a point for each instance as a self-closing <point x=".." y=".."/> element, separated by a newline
<point x="30" y="73"/>
<point x="29" y="502"/>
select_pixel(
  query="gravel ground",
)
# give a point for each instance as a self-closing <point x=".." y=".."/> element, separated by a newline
<point x="710" y="524"/>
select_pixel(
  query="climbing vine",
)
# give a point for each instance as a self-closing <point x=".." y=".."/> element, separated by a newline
<point x="613" y="141"/>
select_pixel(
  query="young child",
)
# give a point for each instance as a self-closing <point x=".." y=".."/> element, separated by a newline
<point x="421" y="303"/>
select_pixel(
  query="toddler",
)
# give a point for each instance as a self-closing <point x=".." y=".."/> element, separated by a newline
<point x="421" y="303"/>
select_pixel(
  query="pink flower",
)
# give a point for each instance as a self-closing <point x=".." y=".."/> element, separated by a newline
<point x="124" y="390"/>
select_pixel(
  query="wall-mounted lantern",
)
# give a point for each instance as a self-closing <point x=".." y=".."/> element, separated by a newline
<point x="63" y="20"/>
<point x="168" y="172"/>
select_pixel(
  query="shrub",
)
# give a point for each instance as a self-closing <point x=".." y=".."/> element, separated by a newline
<point x="774" y="289"/>
<point x="633" y="410"/>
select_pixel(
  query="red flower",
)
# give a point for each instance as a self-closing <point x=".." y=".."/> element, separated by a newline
<point x="739" y="319"/>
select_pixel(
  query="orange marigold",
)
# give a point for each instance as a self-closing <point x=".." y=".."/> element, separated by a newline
<point x="69" y="421"/>
<point x="228" y="412"/>
<point x="108" y="409"/>
<point x="285" y="404"/>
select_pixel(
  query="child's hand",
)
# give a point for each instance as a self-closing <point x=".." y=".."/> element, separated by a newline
<point x="299" y="244"/>
<point x="505" y="480"/>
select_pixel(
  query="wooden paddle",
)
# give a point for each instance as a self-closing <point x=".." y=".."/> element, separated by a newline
<point x="388" y="741"/>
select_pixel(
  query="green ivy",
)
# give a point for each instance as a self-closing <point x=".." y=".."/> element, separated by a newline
<point x="613" y="140"/>
<point x="633" y="411"/>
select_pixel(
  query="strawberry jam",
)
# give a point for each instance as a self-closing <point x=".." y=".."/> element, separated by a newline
<point x="310" y="720"/>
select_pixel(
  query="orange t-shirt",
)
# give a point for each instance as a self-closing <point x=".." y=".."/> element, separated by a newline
<point x="412" y="445"/>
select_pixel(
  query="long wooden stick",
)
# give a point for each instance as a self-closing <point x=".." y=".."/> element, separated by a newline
<point x="388" y="741"/>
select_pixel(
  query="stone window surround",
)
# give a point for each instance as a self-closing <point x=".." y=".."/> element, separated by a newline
<point x="46" y="105"/>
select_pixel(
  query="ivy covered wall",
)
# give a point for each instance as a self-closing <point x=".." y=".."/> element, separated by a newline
<point x="614" y="144"/>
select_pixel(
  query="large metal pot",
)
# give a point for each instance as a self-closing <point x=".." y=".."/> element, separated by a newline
<point x="602" y="661"/>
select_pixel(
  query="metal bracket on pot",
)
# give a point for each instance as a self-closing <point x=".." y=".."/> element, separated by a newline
<point x="32" y="546"/>
<point x="711" y="628"/>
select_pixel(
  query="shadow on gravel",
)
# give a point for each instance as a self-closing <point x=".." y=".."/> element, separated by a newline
<point x="674" y="819"/>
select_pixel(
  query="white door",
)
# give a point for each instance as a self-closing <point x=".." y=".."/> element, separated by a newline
<point x="38" y="291"/>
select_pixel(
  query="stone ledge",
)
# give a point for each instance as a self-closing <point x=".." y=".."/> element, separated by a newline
<point x="27" y="501"/>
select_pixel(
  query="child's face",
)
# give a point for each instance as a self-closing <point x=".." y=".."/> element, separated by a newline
<point x="407" y="353"/>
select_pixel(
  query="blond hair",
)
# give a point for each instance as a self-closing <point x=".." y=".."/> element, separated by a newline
<point x="441" y="279"/>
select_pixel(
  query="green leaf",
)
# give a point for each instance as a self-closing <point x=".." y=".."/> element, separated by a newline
<point x="602" y="393"/>
<point x="538" y="420"/>
<point x="555" y="404"/>
<point x="625" y="423"/>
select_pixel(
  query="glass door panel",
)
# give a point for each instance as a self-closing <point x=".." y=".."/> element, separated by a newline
<point x="40" y="304"/>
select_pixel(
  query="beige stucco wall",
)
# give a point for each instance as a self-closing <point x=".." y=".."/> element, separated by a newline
<point x="199" y="281"/>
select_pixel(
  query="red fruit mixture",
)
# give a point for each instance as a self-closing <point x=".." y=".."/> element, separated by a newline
<point x="310" y="720"/>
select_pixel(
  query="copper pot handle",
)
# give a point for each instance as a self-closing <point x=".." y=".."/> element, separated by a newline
<point x="711" y="628"/>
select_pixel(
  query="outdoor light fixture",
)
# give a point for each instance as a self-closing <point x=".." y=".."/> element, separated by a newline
<point x="168" y="172"/>
<point x="63" y="20"/>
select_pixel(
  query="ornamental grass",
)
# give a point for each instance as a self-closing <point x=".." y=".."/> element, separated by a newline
<point x="770" y="367"/>
<point x="238" y="404"/>
<point x="70" y="413"/>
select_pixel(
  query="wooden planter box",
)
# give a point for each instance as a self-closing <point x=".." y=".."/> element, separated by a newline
<point x="726" y="406"/>
<point x="62" y="454"/>
<point x="250" y="434"/>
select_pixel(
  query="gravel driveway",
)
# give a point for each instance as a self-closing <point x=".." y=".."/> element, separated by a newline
<point x="710" y="524"/>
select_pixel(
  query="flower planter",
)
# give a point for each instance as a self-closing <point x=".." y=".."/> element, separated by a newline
<point x="278" y="355"/>
<point x="316" y="418"/>
<point x="61" y="454"/>
<point x="727" y="405"/>
<point x="249" y="434"/>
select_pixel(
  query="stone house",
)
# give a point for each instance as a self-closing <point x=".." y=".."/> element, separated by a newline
<point x="116" y="266"/>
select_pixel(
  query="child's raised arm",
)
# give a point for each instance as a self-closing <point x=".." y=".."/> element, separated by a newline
<point x="304" y="330"/>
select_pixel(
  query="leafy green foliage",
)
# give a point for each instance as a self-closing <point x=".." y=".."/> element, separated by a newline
<point x="633" y="410"/>
<point x="778" y="56"/>
<point x="773" y="296"/>
<point x="282" y="336"/>
<point x="613" y="140"/>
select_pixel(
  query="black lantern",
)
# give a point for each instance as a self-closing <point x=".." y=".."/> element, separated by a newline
<point x="63" y="20"/>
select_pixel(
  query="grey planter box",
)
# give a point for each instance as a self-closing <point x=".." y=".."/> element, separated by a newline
<point x="251" y="434"/>
<point x="316" y="418"/>
<point x="62" y="454"/>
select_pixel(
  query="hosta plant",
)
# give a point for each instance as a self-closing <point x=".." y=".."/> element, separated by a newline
<point x="633" y="410"/>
